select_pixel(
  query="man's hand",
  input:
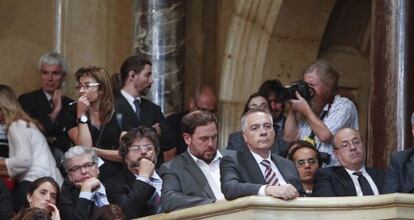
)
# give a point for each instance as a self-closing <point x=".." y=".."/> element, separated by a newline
<point x="90" y="185"/>
<point x="300" y="105"/>
<point x="285" y="192"/>
<point x="157" y="128"/>
<point x="146" y="168"/>
<point x="57" y="104"/>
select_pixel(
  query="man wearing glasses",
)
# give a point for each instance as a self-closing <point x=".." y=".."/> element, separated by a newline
<point x="137" y="189"/>
<point x="352" y="178"/>
<point x="83" y="193"/>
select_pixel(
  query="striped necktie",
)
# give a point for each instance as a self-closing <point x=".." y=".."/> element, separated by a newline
<point x="270" y="175"/>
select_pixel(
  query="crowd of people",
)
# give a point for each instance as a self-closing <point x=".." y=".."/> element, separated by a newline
<point x="111" y="153"/>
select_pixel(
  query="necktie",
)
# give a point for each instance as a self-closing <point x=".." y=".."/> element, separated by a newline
<point x="270" y="175"/>
<point x="138" y="109"/>
<point x="51" y="103"/>
<point x="155" y="200"/>
<point x="97" y="200"/>
<point x="363" y="183"/>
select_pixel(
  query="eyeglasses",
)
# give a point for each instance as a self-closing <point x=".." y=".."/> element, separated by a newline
<point x="78" y="169"/>
<point x="141" y="148"/>
<point x="355" y="143"/>
<point x="87" y="86"/>
<point x="309" y="161"/>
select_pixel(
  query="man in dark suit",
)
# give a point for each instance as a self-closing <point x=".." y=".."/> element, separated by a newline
<point x="48" y="103"/>
<point x="134" y="81"/>
<point x="82" y="191"/>
<point x="400" y="174"/>
<point x="137" y="189"/>
<point x="352" y="178"/>
<point x="204" y="98"/>
<point x="255" y="170"/>
<point x="193" y="178"/>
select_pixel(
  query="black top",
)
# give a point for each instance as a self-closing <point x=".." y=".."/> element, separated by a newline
<point x="174" y="122"/>
<point x="71" y="206"/>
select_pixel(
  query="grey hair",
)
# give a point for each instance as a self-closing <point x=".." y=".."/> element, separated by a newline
<point x="243" y="122"/>
<point x="77" y="151"/>
<point x="53" y="59"/>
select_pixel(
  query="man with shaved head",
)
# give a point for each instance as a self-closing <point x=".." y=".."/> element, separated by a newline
<point x="352" y="178"/>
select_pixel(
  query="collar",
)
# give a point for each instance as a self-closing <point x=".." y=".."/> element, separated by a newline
<point x="129" y="97"/>
<point x="259" y="158"/>
<point x="101" y="189"/>
<point x="196" y="159"/>
<point x="48" y="96"/>
<point x="350" y="172"/>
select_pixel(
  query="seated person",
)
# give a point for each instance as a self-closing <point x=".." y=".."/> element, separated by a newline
<point x="6" y="204"/>
<point x="306" y="158"/>
<point x="82" y="192"/>
<point x="193" y="177"/>
<point x="352" y="178"/>
<point x="137" y="189"/>
<point x="400" y="174"/>
<point x="255" y="170"/>
<point x="108" y="212"/>
<point x="236" y="141"/>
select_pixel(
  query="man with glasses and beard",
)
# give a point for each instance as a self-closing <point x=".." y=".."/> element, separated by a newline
<point x="137" y="190"/>
<point x="327" y="112"/>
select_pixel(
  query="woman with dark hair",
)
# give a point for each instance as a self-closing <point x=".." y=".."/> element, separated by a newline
<point x="29" y="154"/>
<point x="94" y="123"/>
<point x="108" y="212"/>
<point x="33" y="213"/>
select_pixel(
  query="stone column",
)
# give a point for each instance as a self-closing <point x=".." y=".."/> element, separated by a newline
<point x="390" y="103"/>
<point x="159" y="36"/>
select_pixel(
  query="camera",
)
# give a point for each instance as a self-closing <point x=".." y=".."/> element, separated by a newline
<point x="300" y="86"/>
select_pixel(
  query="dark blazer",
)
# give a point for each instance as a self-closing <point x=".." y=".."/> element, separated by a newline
<point x="130" y="194"/>
<point x="236" y="142"/>
<point x="38" y="107"/>
<point x="241" y="175"/>
<point x="71" y="206"/>
<point x="400" y="174"/>
<point x="184" y="184"/>
<point x="174" y="122"/>
<point x="335" y="181"/>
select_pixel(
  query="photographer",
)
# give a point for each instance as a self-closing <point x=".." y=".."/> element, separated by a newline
<point x="326" y="112"/>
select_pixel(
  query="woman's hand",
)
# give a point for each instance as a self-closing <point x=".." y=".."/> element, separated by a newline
<point x="55" y="212"/>
<point x="82" y="106"/>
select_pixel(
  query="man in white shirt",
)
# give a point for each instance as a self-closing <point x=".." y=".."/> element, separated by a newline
<point x="193" y="178"/>
<point x="352" y="178"/>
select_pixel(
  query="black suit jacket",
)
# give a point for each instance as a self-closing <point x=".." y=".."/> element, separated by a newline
<point x="71" y="206"/>
<point x="241" y="175"/>
<point x="184" y="184"/>
<point x="335" y="181"/>
<point x="130" y="194"/>
<point x="400" y="174"/>
<point x="236" y="142"/>
<point x="38" y="107"/>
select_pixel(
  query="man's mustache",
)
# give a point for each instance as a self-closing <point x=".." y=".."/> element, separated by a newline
<point x="137" y="163"/>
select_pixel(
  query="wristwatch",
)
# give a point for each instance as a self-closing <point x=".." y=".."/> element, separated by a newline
<point x="83" y="119"/>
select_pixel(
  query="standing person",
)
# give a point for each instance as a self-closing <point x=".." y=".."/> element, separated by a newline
<point x="327" y="112"/>
<point x="29" y="154"/>
<point x="352" y="178"/>
<point x="93" y="121"/>
<point x="193" y="178"/>
<point x="134" y="82"/>
<point x="307" y="161"/>
<point x="48" y="103"/>
<point x="204" y="99"/>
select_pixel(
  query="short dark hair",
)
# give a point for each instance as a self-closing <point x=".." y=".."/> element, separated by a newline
<point x="195" y="119"/>
<point x="134" y="134"/>
<point x="108" y="212"/>
<point x="135" y="63"/>
<point x="272" y="86"/>
<point x="252" y="96"/>
<point x="299" y="144"/>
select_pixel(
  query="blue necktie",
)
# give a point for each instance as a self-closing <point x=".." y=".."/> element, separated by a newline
<point x="138" y="111"/>
<point x="97" y="199"/>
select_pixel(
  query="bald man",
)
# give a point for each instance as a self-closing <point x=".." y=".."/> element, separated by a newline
<point x="204" y="99"/>
<point x="352" y="178"/>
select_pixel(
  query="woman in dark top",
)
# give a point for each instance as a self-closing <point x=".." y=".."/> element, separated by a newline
<point x="93" y="122"/>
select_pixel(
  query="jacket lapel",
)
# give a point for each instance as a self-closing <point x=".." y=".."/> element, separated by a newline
<point x="251" y="166"/>
<point x="345" y="180"/>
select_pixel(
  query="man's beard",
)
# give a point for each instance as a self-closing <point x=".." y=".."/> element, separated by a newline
<point x="136" y="163"/>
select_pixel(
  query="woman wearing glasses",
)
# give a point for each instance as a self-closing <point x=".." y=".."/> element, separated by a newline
<point x="307" y="161"/>
<point x="29" y="154"/>
<point x="93" y="122"/>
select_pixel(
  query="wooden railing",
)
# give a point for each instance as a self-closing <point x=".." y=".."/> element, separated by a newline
<point x="390" y="206"/>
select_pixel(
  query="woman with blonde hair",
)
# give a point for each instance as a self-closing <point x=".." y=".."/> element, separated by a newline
<point x="29" y="154"/>
<point x="93" y="121"/>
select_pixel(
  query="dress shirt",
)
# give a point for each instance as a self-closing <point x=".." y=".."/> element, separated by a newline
<point x="356" y="183"/>
<point x="101" y="192"/>
<point x="154" y="181"/>
<point x="212" y="173"/>
<point x="130" y="99"/>
<point x="281" y="180"/>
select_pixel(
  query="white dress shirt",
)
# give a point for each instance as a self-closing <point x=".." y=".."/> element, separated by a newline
<point x="101" y="193"/>
<point x="356" y="183"/>
<point x="130" y="99"/>
<point x="212" y="173"/>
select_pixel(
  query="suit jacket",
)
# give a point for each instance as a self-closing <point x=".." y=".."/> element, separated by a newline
<point x="71" y="206"/>
<point x="241" y="175"/>
<point x="184" y="184"/>
<point x="335" y="181"/>
<point x="130" y="194"/>
<point x="236" y="142"/>
<point x="38" y="107"/>
<point x="400" y="174"/>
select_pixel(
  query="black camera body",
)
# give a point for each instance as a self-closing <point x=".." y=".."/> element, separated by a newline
<point x="299" y="86"/>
